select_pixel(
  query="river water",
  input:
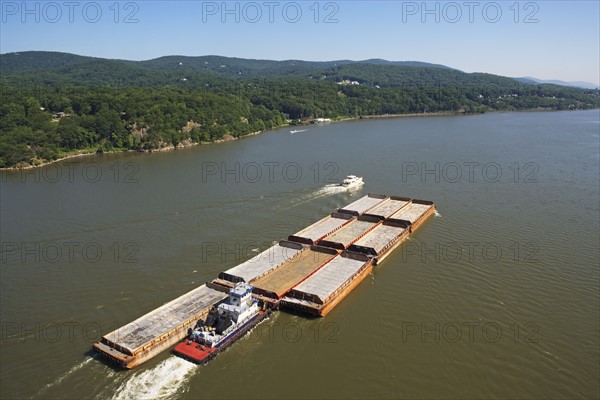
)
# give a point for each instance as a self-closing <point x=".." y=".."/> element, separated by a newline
<point x="497" y="296"/>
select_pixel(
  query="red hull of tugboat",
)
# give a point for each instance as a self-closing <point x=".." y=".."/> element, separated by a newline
<point x="195" y="352"/>
<point x="201" y="354"/>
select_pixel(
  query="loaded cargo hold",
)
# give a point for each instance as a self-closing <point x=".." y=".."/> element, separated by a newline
<point x="320" y="292"/>
<point x="279" y="281"/>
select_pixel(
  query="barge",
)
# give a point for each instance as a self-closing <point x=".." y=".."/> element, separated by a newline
<point x="388" y="207"/>
<point x="415" y="213"/>
<point x="382" y="240"/>
<point x="322" y="291"/>
<point x="363" y="204"/>
<point x="142" y="339"/>
<point x="263" y="263"/>
<point x="350" y="233"/>
<point x="319" y="230"/>
<point x="310" y="273"/>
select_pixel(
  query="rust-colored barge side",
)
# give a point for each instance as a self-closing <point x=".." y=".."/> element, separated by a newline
<point x="142" y="339"/>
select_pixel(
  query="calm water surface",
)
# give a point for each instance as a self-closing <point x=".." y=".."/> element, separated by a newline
<point x="495" y="297"/>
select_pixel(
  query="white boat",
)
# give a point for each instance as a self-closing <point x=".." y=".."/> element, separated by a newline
<point x="352" y="180"/>
<point x="297" y="131"/>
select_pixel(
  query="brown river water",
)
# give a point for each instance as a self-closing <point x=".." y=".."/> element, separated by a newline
<point x="496" y="296"/>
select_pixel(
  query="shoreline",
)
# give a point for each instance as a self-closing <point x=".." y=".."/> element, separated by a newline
<point x="181" y="146"/>
<point x="230" y="138"/>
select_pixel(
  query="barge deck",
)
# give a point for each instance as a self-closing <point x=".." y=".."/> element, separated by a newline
<point x="363" y="204"/>
<point x="322" y="228"/>
<point x="350" y="233"/>
<point x="388" y="207"/>
<point x="415" y="213"/>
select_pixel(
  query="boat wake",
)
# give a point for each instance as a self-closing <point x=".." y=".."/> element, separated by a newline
<point x="327" y="190"/>
<point x="66" y="374"/>
<point x="437" y="214"/>
<point x="164" y="381"/>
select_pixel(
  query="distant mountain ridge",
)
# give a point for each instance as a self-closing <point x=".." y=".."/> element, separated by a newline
<point x="155" y="71"/>
<point x="577" y="84"/>
<point x="30" y="60"/>
<point x="33" y="60"/>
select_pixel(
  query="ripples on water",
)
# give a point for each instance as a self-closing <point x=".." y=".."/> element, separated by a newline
<point x="171" y="213"/>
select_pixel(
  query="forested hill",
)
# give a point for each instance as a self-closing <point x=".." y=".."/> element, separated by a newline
<point x="57" y="103"/>
<point x="64" y="63"/>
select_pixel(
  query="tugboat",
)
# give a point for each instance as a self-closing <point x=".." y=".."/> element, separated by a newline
<point x="223" y="326"/>
<point x="351" y="180"/>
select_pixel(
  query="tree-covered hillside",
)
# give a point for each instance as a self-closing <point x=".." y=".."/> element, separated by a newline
<point x="56" y="103"/>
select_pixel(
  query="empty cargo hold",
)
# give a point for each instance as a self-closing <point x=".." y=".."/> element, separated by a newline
<point x="380" y="241"/>
<point x="363" y="204"/>
<point x="345" y="236"/>
<point x="388" y="207"/>
<point x="319" y="293"/>
<point x="150" y="334"/>
<point x="262" y="263"/>
<point x="322" y="228"/>
<point x="279" y="281"/>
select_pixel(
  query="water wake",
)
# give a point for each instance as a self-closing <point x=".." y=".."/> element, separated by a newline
<point x="326" y="190"/>
<point x="307" y="196"/>
<point x="161" y="382"/>
<point x="329" y="190"/>
<point x="63" y="376"/>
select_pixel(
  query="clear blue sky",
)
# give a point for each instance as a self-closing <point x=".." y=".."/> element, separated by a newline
<point x="543" y="39"/>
